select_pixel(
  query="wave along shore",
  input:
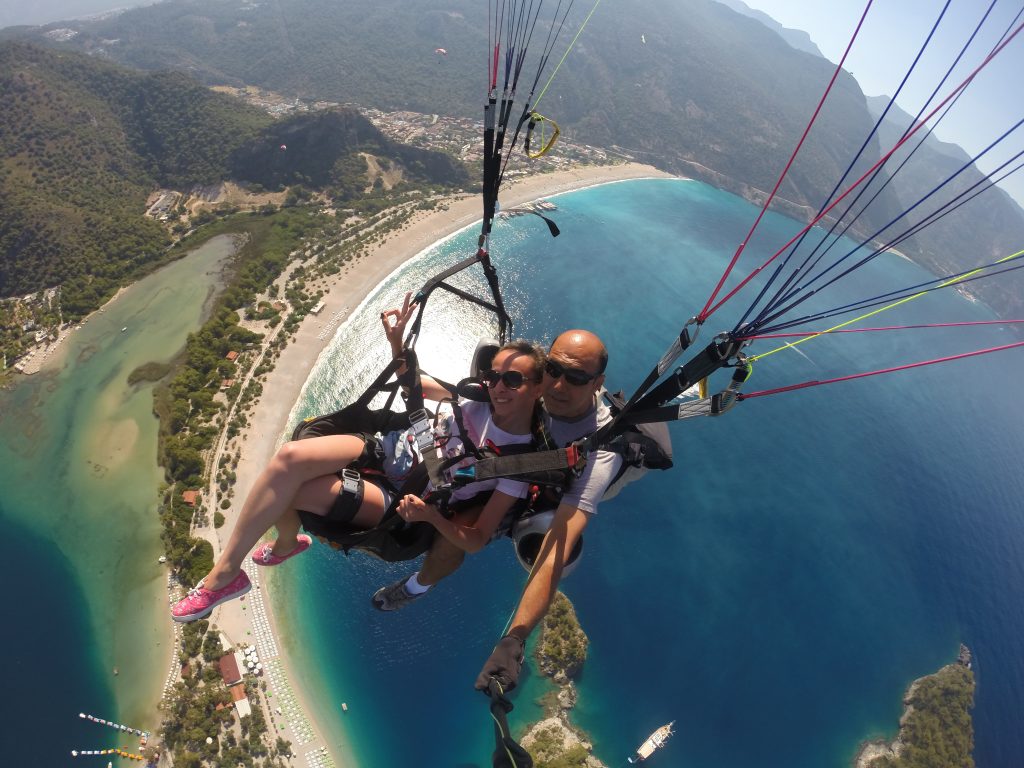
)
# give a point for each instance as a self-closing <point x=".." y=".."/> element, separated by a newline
<point x="283" y="387"/>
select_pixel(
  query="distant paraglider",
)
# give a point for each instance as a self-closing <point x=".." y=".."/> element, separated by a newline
<point x="440" y="51"/>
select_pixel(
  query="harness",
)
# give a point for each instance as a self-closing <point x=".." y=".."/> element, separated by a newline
<point x="642" y="446"/>
<point x="394" y="539"/>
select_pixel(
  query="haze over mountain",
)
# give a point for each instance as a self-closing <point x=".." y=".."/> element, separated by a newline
<point x="795" y="37"/>
<point x="692" y="87"/>
<point x="48" y="11"/>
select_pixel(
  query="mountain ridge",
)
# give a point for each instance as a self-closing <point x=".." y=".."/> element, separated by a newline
<point x="704" y="91"/>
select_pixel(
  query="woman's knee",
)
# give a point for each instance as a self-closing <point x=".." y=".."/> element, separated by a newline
<point x="296" y="456"/>
<point x="288" y="457"/>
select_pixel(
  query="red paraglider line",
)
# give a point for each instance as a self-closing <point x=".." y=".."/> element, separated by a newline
<point x="881" y="161"/>
<point x="764" y="209"/>
<point x="819" y="382"/>
<point x="882" y="328"/>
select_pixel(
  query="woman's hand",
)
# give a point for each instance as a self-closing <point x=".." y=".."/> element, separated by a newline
<point x="413" y="509"/>
<point x="395" y="321"/>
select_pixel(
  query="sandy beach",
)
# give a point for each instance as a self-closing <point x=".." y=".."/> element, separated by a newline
<point x="282" y="387"/>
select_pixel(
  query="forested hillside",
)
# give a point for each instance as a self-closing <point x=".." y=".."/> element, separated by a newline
<point x="322" y="150"/>
<point x="83" y="142"/>
<point x="690" y="86"/>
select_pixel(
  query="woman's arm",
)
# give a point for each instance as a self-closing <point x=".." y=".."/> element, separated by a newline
<point x="395" y="333"/>
<point x="469" y="538"/>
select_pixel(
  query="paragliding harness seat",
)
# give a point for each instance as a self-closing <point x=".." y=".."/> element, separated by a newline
<point x="394" y="539"/>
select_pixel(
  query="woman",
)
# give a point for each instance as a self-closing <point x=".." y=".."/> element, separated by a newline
<point x="304" y="474"/>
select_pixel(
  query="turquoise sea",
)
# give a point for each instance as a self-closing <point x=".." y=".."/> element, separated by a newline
<point x="810" y="554"/>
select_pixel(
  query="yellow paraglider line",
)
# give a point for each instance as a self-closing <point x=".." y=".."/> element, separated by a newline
<point x="904" y="300"/>
<point x="564" y="55"/>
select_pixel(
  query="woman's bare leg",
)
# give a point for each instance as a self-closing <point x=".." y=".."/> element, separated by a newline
<point x="318" y="496"/>
<point x="272" y="495"/>
<point x="444" y="558"/>
<point x="288" y="527"/>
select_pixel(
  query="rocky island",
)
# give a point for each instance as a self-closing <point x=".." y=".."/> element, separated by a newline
<point x="560" y="653"/>
<point x="936" y="727"/>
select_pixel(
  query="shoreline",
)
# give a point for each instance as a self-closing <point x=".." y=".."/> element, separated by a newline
<point x="344" y="292"/>
<point x="871" y="750"/>
<point x="50" y="354"/>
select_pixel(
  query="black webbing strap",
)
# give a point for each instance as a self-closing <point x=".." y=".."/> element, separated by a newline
<point x="380" y="384"/>
<point x="497" y="305"/>
<point x="548" y="467"/>
<point x="714" y="356"/>
<point x="507" y="752"/>
<point x="544" y="467"/>
<point x="419" y="420"/>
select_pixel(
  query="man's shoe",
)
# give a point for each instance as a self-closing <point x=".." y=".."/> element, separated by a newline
<point x="394" y="596"/>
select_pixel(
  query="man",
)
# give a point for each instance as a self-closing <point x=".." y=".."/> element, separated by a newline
<point x="573" y="376"/>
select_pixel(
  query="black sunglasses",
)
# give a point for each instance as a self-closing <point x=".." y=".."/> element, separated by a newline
<point x="511" y="379"/>
<point x="574" y="376"/>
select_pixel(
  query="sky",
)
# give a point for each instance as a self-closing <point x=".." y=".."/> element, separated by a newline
<point x="892" y="35"/>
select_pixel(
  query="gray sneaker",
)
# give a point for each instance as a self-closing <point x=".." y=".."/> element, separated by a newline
<point x="394" y="596"/>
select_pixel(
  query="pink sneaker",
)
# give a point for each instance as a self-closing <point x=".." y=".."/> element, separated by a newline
<point x="200" y="602"/>
<point x="264" y="554"/>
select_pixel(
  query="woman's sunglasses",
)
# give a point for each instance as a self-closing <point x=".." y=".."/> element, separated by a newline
<point x="574" y="376"/>
<point x="511" y="379"/>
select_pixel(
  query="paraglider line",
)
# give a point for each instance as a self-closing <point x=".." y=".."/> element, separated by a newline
<point x="704" y="313"/>
<point x="819" y="382"/>
<point x="867" y="173"/>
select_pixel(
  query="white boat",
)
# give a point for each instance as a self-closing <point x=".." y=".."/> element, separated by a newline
<point x="124" y="329"/>
<point x="654" y="742"/>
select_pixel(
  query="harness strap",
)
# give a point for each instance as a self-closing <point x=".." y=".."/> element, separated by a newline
<point x="543" y="467"/>
<point x="347" y="503"/>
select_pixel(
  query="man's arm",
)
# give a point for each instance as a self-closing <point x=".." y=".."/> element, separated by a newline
<point x="507" y="657"/>
<point x="565" y="531"/>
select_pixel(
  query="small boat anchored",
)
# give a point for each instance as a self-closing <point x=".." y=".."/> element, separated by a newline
<point x="654" y="742"/>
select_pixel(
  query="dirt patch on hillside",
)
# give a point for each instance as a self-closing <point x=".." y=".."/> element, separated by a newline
<point x="389" y="176"/>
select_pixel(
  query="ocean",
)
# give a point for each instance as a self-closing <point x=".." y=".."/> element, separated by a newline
<point x="774" y="594"/>
<point x="810" y="554"/>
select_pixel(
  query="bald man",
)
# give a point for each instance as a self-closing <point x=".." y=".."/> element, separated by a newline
<point x="573" y="377"/>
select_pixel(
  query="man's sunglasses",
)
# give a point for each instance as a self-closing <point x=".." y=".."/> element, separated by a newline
<point x="511" y="379"/>
<point x="574" y="376"/>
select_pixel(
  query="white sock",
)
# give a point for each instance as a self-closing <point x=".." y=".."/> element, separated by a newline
<point x="414" y="586"/>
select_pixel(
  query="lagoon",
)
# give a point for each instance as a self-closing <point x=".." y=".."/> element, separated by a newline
<point x="80" y="480"/>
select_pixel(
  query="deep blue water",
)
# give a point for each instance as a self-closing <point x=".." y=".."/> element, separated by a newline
<point x="810" y="554"/>
<point x="50" y="659"/>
